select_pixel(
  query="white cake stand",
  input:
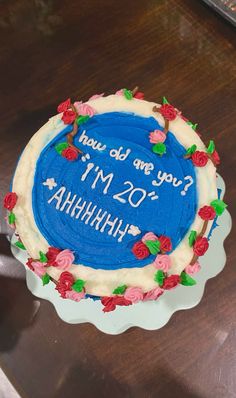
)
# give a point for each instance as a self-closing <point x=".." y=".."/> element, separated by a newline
<point x="148" y="315"/>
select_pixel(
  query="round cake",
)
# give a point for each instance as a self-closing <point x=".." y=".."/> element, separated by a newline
<point x="114" y="199"/>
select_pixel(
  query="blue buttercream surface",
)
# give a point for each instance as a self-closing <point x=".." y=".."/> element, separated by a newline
<point x="170" y="214"/>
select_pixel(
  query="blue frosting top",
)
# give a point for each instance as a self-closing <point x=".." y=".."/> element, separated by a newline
<point x="100" y="205"/>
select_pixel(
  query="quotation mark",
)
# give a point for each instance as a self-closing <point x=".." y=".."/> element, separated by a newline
<point x="85" y="157"/>
<point x="153" y="195"/>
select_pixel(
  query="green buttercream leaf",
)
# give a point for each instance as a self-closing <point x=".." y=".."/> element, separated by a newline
<point x="194" y="126"/>
<point x="11" y="218"/>
<point x="153" y="246"/>
<point x="20" y="245"/>
<point x="82" y="119"/>
<point x="43" y="257"/>
<point x="186" y="280"/>
<point x="60" y="147"/>
<point x="78" y="285"/>
<point x="45" y="279"/>
<point x="159" y="277"/>
<point x="164" y="101"/>
<point x="191" y="150"/>
<point x="119" y="289"/>
<point x="219" y="206"/>
<point x="192" y="238"/>
<point x="211" y="147"/>
<point x="159" y="148"/>
<point x="128" y="94"/>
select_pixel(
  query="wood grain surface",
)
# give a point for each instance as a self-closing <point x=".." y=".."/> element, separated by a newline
<point x="53" y="49"/>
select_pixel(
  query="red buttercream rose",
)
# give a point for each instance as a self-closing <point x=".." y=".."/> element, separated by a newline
<point x="207" y="213"/>
<point x="170" y="282"/>
<point x="166" y="245"/>
<point x="51" y="255"/>
<point x="70" y="154"/>
<point x="140" y="250"/>
<point x="10" y="200"/>
<point x="106" y="300"/>
<point x="168" y="112"/>
<point x="216" y="158"/>
<point x="120" y="300"/>
<point x="29" y="263"/>
<point x="139" y="95"/>
<point x="64" y="106"/>
<point x="110" y="303"/>
<point x="200" y="246"/>
<point x="199" y="158"/>
<point x="68" y="117"/>
<point x="65" y="283"/>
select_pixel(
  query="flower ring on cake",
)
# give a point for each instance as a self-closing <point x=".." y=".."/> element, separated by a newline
<point x="153" y="242"/>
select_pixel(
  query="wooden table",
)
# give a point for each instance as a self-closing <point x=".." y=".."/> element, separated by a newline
<point x="51" y="50"/>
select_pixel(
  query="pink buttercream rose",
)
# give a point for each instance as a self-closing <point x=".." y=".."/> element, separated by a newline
<point x="120" y="92"/>
<point x="149" y="236"/>
<point x="95" y="96"/>
<point x="77" y="104"/>
<point x="157" y="136"/>
<point x="39" y="268"/>
<point x="64" y="259"/>
<point x="193" y="269"/>
<point x="85" y="109"/>
<point x="72" y="295"/>
<point x="153" y="294"/>
<point x="133" y="294"/>
<point x="162" y="261"/>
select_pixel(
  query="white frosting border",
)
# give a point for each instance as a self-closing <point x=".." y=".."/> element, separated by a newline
<point x="102" y="282"/>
